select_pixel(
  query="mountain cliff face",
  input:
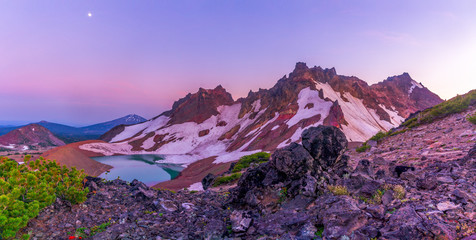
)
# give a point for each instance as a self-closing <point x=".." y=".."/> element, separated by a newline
<point x="30" y="135"/>
<point x="210" y="123"/>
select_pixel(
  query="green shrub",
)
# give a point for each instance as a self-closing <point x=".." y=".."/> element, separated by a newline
<point x="377" y="137"/>
<point x="26" y="189"/>
<point x="226" y="179"/>
<point x="472" y="118"/>
<point x="246" y="161"/>
<point x="397" y="132"/>
<point x="320" y="230"/>
<point x="363" y="148"/>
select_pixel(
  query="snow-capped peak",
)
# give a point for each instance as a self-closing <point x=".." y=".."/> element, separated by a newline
<point x="210" y="123"/>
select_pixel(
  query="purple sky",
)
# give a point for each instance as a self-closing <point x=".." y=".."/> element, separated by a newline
<point x="59" y="64"/>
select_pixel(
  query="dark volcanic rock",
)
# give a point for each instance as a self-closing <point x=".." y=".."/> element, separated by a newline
<point x="294" y="161"/>
<point x="208" y="180"/>
<point x="325" y="144"/>
<point x="401" y="169"/>
<point x="428" y="183"/>
<point x="293" y="168"/>
<point x="134" y="211"/>
<point x="341" y="217"/>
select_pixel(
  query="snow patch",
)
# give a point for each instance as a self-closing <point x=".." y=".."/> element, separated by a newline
<point x="184" y="145"/>
<point x="275" y="127"/>
<point x="395" y="119"/>
<point x="147" y="126"/>
<point x="305" y="97"/>
<point x="414" y="84"/>
<point x="256" y="105"/>
<point x="108" y="149"/>
<point x="196" y="187"/>
<point x="148" y="143"/>
<point x="363" y="123"/>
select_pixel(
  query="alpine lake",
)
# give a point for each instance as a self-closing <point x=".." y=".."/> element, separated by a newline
<point x="143" y="167"/>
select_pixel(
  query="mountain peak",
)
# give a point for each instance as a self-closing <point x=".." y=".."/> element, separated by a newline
<point x="300" y="66"/>
<point x="32" y="134"/>
<point x="199" y="106"/>
<point x="403" y="78"/>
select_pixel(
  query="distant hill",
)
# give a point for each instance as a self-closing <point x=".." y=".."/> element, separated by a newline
<point x="101" y="128"/>
<point x="30" y="136"/>
<point x="71" y="134"/>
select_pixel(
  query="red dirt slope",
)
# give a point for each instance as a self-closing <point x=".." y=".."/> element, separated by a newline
<point x="72" y="156"/>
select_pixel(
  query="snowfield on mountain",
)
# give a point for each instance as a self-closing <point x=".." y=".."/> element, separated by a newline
<point x="210" y="123"/>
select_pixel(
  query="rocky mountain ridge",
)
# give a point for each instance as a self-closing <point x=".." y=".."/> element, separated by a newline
<point x="209" y="123"/>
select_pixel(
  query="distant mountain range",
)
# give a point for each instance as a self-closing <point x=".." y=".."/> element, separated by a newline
<point x="70" y="134"/>
<point x="29" y="137"/>
<point x="211" y="123"/>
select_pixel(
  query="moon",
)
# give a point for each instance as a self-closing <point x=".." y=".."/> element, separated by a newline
<point x="90" y="14"/>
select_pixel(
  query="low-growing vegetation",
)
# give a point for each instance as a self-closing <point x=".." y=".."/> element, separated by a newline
<point x="454" y="105"/>
<point x="246" y="161"/>
<point x="338" y="189"/>
<point x="399" y="191"/>
<point x="82" y="233"/>
<point x="27" y="188"/>
<point x="472" y="118"/>
<point x="377" y="137"/>
<point x="226" y="179"/>
<point x="283" y="193"/>
<point x="363" y="148"/>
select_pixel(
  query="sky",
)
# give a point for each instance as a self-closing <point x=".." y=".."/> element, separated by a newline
<point x="83" y="62"/>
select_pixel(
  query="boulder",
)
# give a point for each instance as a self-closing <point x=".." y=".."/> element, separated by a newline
<point x="239" y="221"/>
<point x="208" y="180"/>
<point x="447" y="205"/>
<point x="364" y="167"/>
<point x="326" y="144"/>
<point x="293" y="161"/>
<point x="297" y="168"/>
<point x="427" y="183"/>
<point x="401" y="169"/>
<point x="405" y="223"/>
<point x="342" y="217"/>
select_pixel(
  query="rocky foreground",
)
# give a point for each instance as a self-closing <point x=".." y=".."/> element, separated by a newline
<point x="306" y="191"/>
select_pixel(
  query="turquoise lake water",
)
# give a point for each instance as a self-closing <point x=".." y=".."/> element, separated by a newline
<point x="142" y="167"/>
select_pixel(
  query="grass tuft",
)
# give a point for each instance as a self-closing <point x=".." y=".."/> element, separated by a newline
<point x="363" y="148"/>
<point x="338" y="189"/>
<point x="226" y="179"/>
<point x="246" y="161"/>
